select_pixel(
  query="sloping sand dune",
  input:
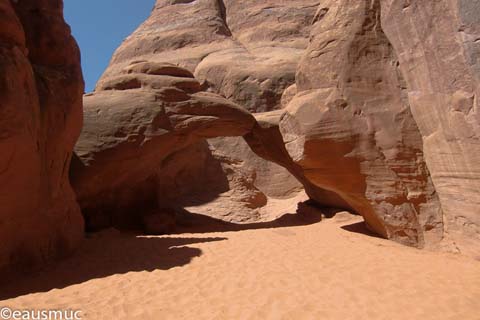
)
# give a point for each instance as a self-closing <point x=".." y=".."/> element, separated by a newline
<point x="326" y="270"/>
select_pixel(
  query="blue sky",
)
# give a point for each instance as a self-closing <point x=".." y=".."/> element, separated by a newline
<point x="100" y="26"/>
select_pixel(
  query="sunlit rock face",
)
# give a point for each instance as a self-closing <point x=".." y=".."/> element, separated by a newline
<point x="233" y="61"/>
<point x="386" y="116"/>
<point x="371" y="106"/>
<point x="41" y="90"/>
<point x="437" y="43"/>
<point x="134" y="125"/>
<point x="350" y="127"/>
<point x="247" y="51"/>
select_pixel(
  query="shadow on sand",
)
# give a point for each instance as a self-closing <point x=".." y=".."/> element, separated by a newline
<point x="105" y="254"/>
<point x="113" y="252"/>
<point x="188" y="222"/>
<point x="361" y="227"/>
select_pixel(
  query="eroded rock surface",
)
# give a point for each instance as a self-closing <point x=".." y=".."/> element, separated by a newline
<point x="439" y="55"/>
<point x="41" y="91"/>
<point x="247" y="51"/>
<point x="133" y="126"/>
<point x="371" y="105"/>
<point x="351" y="130"/>
<point x="240" y="51"/>
<point x="386" y="116"/>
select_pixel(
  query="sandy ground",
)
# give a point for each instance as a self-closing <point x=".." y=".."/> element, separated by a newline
<point x="326" y="270"/>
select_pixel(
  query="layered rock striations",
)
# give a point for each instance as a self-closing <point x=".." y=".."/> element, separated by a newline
<point x="350" y="127"/>
<point x="227" y="108"/>
<point x="241" y="52"/>
<point x="134" y="124"/>
<point x="41" y="90"/>
<point x="386" y="115"/>
<point x="370" y="105"/>
<point x="438" y="47"/>
<point x="247" y="51"/>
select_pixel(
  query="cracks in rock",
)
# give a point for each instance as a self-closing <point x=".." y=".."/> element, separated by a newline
<point x="223" y="12"/>
<point x="223" y="16"/>
<point x="320" y="14"/>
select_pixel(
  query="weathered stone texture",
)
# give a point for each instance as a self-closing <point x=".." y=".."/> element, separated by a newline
<point x="41" y="89"/>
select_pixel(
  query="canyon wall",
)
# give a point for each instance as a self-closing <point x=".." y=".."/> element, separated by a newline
<point x="222" y="45"/>
<point x="41" y="90"/>
<point x="438" y="47"/>
<point x="370" y="105"/>
<point x="350" y="127"/>
<point x="230" y="109"/>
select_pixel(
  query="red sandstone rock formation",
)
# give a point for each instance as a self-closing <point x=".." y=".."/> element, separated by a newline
<point x="233" y="59"/>
<point x="438" y="47"/>
<point x="247" y="50"/>
<point x="357" y="122"/>
<point x="41" y="91"/>
<point x="386" y="116"/>
<point x="371" y="105"/>
<point x="134" y="123"/>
